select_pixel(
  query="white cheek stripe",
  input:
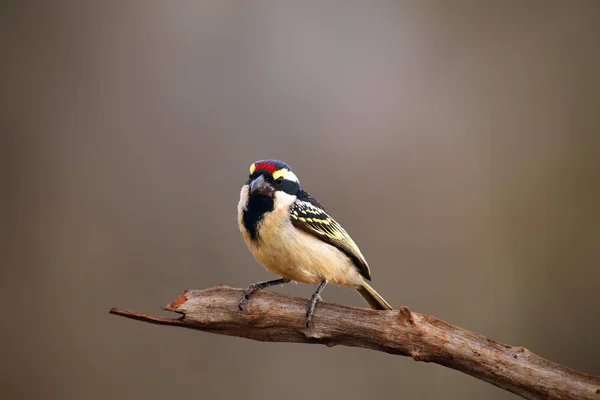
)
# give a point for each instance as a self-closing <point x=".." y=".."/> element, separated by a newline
<point x="283" y="200"/>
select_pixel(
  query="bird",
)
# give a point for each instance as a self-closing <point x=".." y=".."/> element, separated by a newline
<point x="291" y="234"/>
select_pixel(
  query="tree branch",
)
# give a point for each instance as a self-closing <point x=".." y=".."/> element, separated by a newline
<point x="272" y="317"/>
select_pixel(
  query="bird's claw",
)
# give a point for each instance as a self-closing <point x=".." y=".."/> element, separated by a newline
<point x="309" y="320"/>
<point x="243" y="299"/>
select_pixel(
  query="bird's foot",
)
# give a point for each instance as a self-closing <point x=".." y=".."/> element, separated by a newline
<point x="313" y="302"/>
<point x="257" y="286"/>
<point x="243" y="299"/>
<point x="311" y="308"/>
<point x="246" y="295"/>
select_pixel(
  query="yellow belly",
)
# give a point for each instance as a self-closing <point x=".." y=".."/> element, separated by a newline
<point x="302" y="258"/>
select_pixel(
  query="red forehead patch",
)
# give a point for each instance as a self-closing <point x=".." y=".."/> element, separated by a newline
<point x="265" y="166"/>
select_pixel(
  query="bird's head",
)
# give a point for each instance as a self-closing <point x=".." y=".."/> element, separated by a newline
<point x="271" y="185"/>
<point x="267" y="177"/>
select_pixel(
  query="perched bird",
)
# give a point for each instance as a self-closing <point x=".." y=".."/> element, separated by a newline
<point x="292" y="235"/>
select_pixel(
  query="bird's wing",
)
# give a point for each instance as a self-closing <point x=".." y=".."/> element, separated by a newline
<point x="314" y="220"/>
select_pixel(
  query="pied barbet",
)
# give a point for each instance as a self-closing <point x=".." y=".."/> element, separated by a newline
<point x="292" y="235"/>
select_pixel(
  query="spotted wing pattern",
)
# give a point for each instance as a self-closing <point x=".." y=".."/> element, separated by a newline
<point x="314" y="220"/>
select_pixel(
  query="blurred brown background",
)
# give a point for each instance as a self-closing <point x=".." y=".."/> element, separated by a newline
<point x="457" y="142"/>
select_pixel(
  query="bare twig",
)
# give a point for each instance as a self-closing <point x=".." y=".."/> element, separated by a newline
<point x="272" y="317"/>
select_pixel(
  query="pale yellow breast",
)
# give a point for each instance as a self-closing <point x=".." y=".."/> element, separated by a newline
<point x="294" y="254"/>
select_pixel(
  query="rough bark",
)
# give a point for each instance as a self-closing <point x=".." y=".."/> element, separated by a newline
<point x="272" y="317"/>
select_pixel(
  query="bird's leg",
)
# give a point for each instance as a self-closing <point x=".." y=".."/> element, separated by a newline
<point x="257" y="286"/>
<point x="313" y="302"/>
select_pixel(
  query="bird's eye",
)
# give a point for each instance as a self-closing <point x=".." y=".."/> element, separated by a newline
<point x="279" y="181"/>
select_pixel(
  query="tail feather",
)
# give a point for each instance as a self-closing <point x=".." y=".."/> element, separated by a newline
<point x="373" y="298"/>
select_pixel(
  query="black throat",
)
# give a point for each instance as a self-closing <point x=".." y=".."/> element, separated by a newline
<point x="258" y="206"/>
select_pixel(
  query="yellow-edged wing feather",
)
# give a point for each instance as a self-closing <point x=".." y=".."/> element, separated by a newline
<point x="313" y="219"/>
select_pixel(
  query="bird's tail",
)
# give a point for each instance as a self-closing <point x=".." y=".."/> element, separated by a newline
<point x="373" y="298"/>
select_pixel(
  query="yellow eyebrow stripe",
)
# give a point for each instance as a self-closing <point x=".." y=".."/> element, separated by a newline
<point x="252" y="168"/>
<point x="280" y="173"/>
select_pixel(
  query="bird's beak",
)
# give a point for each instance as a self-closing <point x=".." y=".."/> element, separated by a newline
<point x="261" y="187"/>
